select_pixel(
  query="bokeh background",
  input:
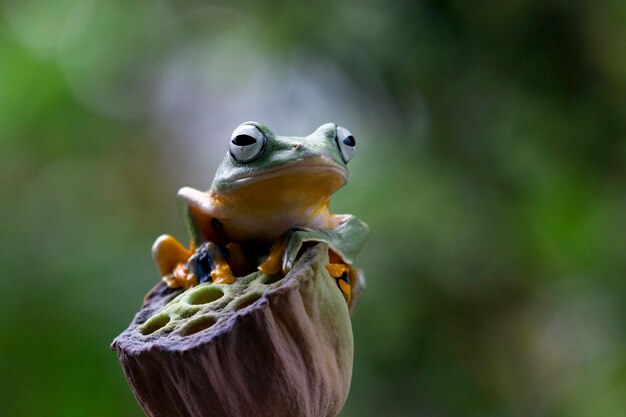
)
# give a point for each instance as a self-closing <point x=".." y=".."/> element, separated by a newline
<point x="491" y="167"/>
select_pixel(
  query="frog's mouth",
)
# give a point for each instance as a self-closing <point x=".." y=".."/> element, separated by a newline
<point x="310" y="167"/>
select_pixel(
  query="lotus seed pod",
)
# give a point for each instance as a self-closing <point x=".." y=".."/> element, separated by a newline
<point x="264" y="346"/>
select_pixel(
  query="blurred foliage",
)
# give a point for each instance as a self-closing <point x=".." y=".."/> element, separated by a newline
<point x="491" y="169"/>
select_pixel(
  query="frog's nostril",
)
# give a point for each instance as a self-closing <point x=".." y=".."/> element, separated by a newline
<point x="295" y="146"/>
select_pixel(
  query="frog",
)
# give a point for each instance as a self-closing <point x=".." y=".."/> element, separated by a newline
<point x="270" y="196"/>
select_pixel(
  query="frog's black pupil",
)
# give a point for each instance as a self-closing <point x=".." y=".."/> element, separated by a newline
<point x="349" y="141"/>
<point x="244" y="140"/>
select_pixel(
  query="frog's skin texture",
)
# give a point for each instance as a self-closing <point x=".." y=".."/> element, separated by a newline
<point x="270" y="190"/>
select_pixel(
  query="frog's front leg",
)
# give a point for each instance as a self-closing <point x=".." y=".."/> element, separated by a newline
<point x="196" y="208"/>
<point x="182" y="267"/>
<point x="345" y="239"/>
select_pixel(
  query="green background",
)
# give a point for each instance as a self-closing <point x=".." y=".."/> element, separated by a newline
<point x="491" y="168"/>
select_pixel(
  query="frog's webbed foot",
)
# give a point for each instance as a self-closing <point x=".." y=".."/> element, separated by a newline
<point x="344" y="241"/>
<point x="183" y="267"/>
<point x="208" y="262"/>
<point x="171" y="258"/>
<point x="342" y="273"/>
<point x="294" y="240"/>
<point x="180" y="277"/>
<point x="351" y="281"/>
<point x="284" y="252"/>
<point x="273" y="264"/>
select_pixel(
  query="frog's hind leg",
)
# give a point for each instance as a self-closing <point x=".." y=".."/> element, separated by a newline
<point x="168" y="252"/>
<point x="342" y="272"/>
<point x="273" y="264"/>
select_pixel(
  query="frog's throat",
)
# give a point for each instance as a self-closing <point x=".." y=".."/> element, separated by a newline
<point x="294" y="190"/>
<point x="266" y="205"/>
<point x="309" y="166"/>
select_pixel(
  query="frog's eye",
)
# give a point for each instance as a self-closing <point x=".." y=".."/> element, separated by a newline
<point x="246" y="143"/>
<point x="346" y="143"/>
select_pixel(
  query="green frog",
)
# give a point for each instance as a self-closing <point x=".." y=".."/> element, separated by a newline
<point x="269" y="199"/>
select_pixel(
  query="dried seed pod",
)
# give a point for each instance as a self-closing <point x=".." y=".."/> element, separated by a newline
<point x="263" y="346"/>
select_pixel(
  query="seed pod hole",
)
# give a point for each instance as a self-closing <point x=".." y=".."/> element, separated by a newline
<point x="271" y="279"/>
<point x="246" y="300"/>
<point x="154" y="323"/>
<point x="197" y="325"/>
<point x="205" y="295"/>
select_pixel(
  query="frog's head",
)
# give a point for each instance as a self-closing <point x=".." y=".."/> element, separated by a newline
<point x="272" y="172"/>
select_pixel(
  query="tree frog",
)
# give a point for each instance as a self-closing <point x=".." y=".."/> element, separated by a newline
<point x="270" y="196"/>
